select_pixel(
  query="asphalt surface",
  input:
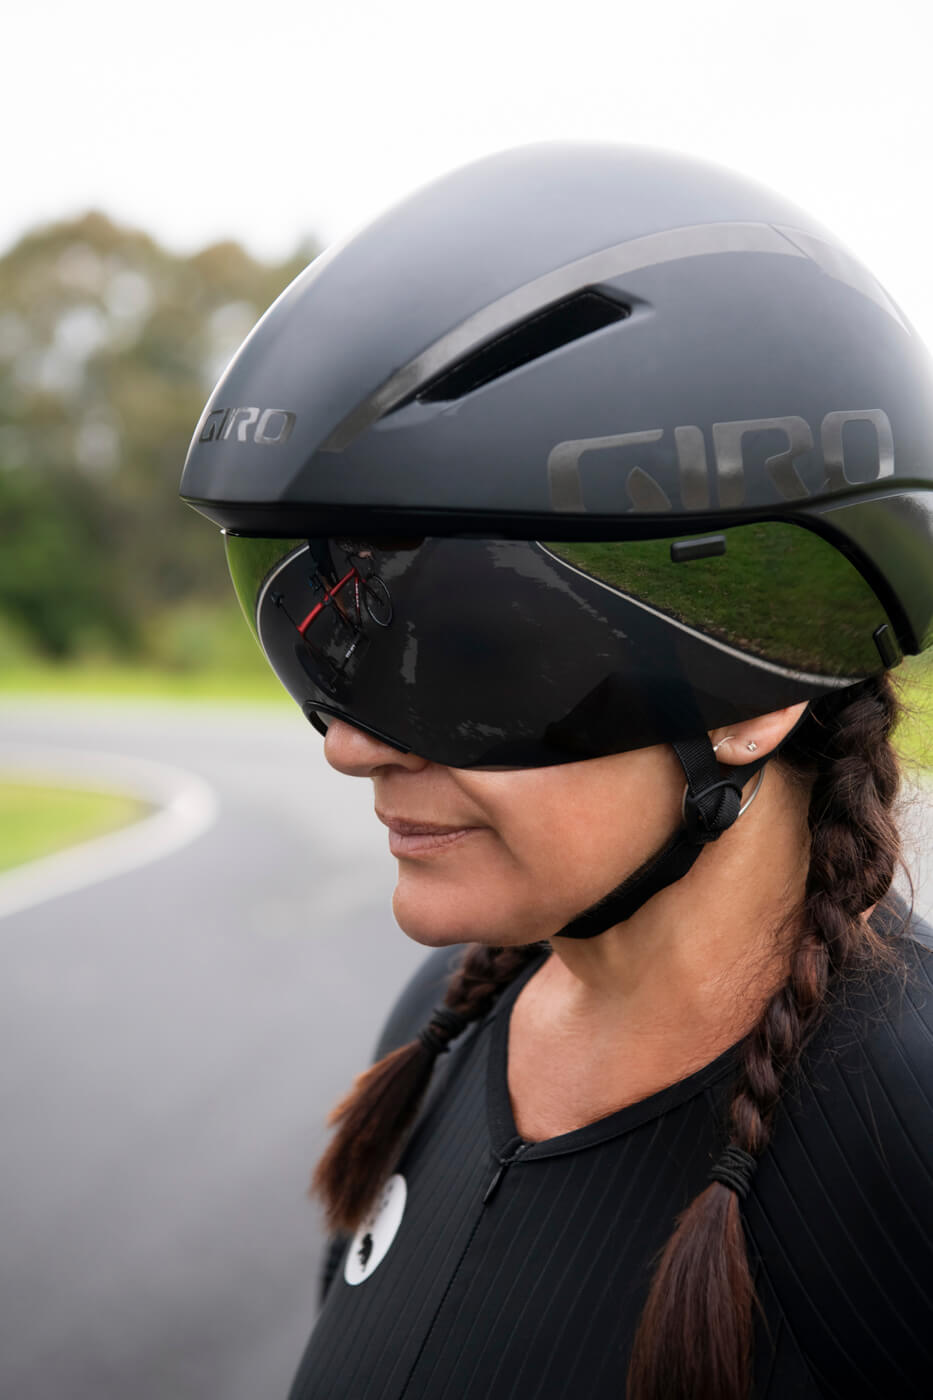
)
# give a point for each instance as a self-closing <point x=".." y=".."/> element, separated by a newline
<point x="170" y="1040"/>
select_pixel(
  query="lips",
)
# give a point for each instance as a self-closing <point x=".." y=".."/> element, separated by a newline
<point x="411" y="837"/>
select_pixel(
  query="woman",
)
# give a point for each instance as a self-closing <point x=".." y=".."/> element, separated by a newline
<point x="641" y="461"/>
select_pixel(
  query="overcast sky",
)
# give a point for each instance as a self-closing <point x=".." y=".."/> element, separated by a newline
<point x="270" y="121"/>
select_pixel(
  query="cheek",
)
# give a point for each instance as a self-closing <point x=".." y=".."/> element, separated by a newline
<point x="594" y="837"/>
<point x="557" y="842"/>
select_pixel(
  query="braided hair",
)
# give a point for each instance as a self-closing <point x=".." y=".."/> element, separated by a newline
<point x="373" y="1119"/>
<point x="695" y="1335"/>
<point x="694" y="1340"/>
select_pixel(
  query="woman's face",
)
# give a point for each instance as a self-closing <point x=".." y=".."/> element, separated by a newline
<point x="510" y="857"/>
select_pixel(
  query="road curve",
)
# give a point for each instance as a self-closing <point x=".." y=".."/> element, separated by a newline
<point x="172" y="1032"/>
<point x="181" y="808"/>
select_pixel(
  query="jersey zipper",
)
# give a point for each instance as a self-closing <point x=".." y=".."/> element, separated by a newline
<point x="512" y="1153"/>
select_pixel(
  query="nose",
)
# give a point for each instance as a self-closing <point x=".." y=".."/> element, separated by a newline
<point x="358" y="754"/>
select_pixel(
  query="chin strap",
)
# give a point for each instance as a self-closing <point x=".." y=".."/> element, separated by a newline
<point x="712" y="802"/>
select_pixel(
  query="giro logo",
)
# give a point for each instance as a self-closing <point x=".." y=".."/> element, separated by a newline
<point x="647" y="494"/>
<point x="266" y="426"/>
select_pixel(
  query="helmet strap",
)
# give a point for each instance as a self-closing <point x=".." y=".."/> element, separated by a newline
<point x="712" y="802"/>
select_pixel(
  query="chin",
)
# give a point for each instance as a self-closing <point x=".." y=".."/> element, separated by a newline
<point x="425" y="923"/>
<point x="437" y="921"/>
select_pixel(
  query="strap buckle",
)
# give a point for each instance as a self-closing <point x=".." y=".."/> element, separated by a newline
<point x="694" y="819"/>
<point x="698" y="828"/>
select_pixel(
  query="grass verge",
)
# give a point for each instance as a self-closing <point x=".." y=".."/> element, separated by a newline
<point x="36" y="820"/>
<point x="111" y="681"/>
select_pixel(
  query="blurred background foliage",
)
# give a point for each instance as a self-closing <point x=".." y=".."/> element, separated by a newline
<point x="109" y="346"/>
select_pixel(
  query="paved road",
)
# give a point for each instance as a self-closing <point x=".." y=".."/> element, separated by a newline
<point x="170" y="1039"/>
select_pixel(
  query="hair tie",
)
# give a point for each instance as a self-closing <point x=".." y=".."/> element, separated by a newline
<point x="444" y="1026"/>
<point x="735" y="1169"/>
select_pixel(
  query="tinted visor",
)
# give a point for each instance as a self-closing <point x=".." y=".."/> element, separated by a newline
<point x="500" y="653"/>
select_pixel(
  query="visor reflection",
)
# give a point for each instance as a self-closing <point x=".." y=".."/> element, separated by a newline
<point x="489" y="653"/>
<point x="773" y="590"/>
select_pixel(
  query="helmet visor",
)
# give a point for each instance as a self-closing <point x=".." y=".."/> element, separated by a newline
<point x="503" y="653"/>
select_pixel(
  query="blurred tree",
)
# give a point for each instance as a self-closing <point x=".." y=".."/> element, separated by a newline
<point x="109" y="345"/>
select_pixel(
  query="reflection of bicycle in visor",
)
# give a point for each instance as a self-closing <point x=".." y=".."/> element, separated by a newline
<point x="367" y="590"/>
<point x="340" y="599"/>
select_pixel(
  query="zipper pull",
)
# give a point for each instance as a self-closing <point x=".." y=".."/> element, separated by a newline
<point x="493" y="1185"/>
<point x="503" y="1162"/>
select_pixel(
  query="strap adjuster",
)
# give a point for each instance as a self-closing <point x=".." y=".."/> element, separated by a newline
<point x="694" y="819"/>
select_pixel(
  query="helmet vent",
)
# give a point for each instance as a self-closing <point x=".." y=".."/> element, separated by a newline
<point x="559" y="324"/>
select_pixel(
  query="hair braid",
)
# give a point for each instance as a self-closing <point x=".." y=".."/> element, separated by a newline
<point x="374" y="1117"/>
<point x="694" y="1340"/>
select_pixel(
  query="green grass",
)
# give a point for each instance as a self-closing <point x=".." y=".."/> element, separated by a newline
<point x="827" y="610"/>
<point x="36" y="820"/>
<point x="103" y="680"/>
<point x="913" y="738"/>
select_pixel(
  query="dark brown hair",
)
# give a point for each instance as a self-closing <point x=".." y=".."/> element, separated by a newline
<point x="694" y="1340"/>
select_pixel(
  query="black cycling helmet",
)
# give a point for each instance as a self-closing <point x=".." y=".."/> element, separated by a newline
<point x="579" y="449"/>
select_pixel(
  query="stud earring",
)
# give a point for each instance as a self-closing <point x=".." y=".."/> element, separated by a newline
<point x="752" y="746"/>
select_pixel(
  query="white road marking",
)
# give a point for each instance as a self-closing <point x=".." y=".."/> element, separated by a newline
<point x="186" y="807"/>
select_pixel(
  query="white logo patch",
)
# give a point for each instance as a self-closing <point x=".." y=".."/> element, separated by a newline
<point x="371" y="1242"/>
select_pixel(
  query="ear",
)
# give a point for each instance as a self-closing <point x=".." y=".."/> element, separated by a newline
<point x="753" y="739"/>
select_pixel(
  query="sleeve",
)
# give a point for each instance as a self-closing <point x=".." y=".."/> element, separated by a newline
<point x="422" y="993"/>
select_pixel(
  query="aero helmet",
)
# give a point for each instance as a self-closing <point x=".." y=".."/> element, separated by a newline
<point x="579" y="449"/>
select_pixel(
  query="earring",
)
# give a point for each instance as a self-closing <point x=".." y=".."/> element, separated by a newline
<point x="752" y="746"/>
<point x="723" y="741"/>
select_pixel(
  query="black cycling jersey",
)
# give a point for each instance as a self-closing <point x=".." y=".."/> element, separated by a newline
<point x="503" y="1270"/>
